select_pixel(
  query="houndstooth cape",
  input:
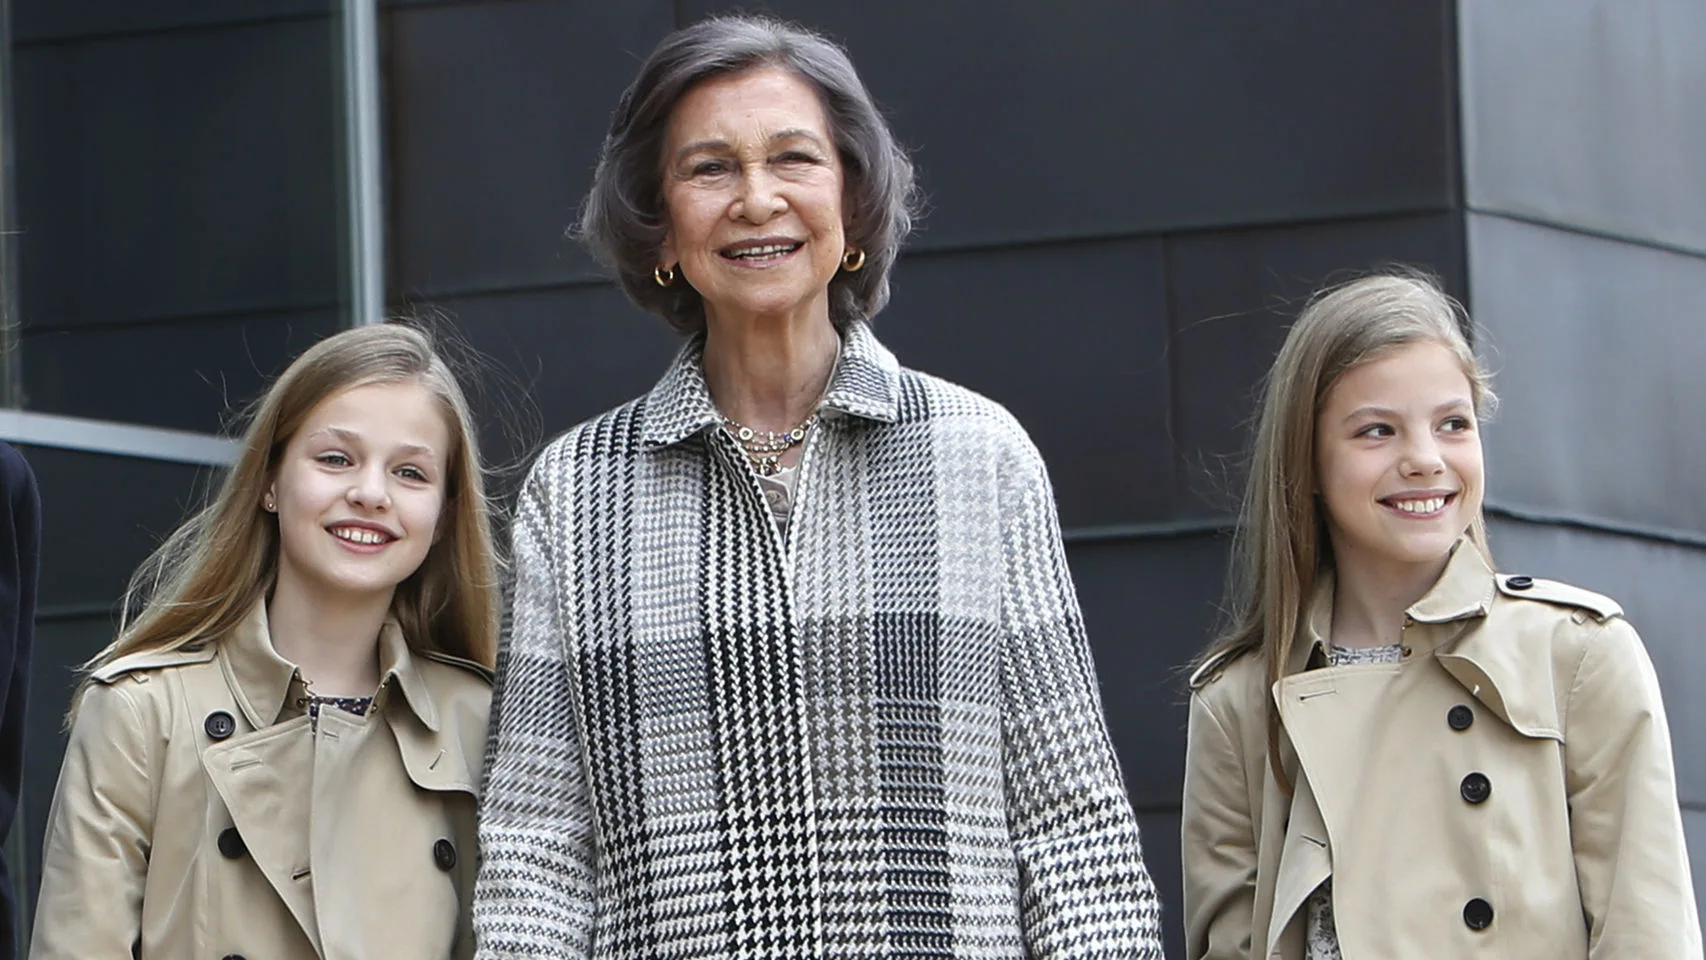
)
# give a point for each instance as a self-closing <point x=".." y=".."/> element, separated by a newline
<point x="877" y="737"/>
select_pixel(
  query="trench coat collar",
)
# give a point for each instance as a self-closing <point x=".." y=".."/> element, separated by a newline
<point x="1464" y="590"/>
<point x="866" y="383"/>
<point x="261" y="679"/>
<point x="1490" y="666"/>
<point x="1493" y="664"/>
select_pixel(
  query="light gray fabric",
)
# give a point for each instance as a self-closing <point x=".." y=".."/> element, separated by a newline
<point x="878" y="736"/>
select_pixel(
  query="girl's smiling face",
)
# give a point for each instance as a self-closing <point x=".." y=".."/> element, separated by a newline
<point x="1398" y="459"/>
<point x="359" y="490"/>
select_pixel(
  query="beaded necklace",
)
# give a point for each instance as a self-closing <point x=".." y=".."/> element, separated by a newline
<point x="764" y="448"/>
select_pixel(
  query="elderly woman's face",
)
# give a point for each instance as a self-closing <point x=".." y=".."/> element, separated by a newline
<point x="752" y="188"/>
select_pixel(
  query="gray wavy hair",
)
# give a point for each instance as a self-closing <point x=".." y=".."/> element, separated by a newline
<point x="623" y="221"/>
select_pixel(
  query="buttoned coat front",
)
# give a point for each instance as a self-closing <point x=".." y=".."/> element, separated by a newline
<point x="199" y="814"/>
<point x="1506" y="790"/>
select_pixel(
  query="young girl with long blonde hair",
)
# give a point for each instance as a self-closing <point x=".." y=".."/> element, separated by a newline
<point x="1394" y="751"/>
<point x="278" y="756"/>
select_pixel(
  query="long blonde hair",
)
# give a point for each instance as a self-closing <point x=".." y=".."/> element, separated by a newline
<point x="1281" y="546"/>
<point x="208" y="575"/>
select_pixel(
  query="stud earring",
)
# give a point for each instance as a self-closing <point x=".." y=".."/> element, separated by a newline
<point x="268" y="505"/>
<point x="853" y="260"/>
<point x="664" y="276"/>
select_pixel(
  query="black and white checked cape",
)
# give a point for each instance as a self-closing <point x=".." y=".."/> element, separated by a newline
<point x="877" y="738"/>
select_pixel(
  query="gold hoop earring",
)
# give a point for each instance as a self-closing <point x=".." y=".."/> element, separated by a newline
<point x="853" y="260"/>
<point x="663" y="275"/>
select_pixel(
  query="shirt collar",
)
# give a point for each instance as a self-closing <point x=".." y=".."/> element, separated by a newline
<point x="866" y="383"/>
<point x="261" y="679"/>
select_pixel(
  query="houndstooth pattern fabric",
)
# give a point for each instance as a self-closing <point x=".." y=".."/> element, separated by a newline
<point x="877" y="736"/>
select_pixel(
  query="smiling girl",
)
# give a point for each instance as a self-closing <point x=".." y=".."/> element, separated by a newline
<point x="1396" y="752"/>
<point x="278" y="755"/>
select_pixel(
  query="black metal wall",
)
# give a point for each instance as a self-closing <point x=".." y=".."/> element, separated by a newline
<point x="1127" y="202"/>
<point x="177" y="194"/>
<point x="1585" y="147"/>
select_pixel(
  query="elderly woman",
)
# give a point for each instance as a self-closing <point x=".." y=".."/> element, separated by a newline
<point x="796" y="668"/>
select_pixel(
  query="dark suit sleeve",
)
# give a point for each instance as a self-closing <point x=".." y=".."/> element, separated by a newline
<point x="20" y="539"/>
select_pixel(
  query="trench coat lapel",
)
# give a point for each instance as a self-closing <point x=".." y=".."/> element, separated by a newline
<point x="1326" y="714"/>
<point x="260" y="772"/>
<point x="261" y="778"/>
<point x="433" y="757"/>
<point x="273" y="777"/>
<point x="1508" y="679"/>
<point x="1493" y="674"/>
<point x="1305" y="862"/>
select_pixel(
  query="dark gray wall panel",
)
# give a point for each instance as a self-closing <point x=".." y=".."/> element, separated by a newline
<point x="175" y="174"/>
<point x="59" y="19"/>
<point x="1161" y="856"/>
<point x="1072" y="339"/>
<point x="1587" y="113"/>
<point x="1034" y="120"/>
<point x="1149" y="607"/>
<point x="61" y="645"/>
<point x="1233" y="296"/>
<point x="1658" y="585"/>
<point x="1694" y="827"/>
<point x="556" y="357"/>
<point x="101" y="516"/>
<point x="189" y="374"/>
<point x="497" y="114"/>
<point x="1597" y="351"/>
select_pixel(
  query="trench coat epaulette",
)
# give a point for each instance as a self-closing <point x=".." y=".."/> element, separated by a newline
<point x="1211" y="669"/>
<point x="144" y="661"/>
<point x="1602" y="607"/>
<point x="478" y="669"/>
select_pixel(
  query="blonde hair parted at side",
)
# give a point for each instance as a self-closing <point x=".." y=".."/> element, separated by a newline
<point x="1281" y="546"/>
<point x="208" y="575"/>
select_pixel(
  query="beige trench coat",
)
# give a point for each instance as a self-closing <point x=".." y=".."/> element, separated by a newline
<point x="198" y="814"/>
<point x="1505" y="791"/>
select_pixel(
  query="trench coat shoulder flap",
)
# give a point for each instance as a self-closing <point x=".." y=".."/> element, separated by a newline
<point x="1602" y="607"/>
<point x="1520" y="659"/>
<point x="138" y="666"/>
